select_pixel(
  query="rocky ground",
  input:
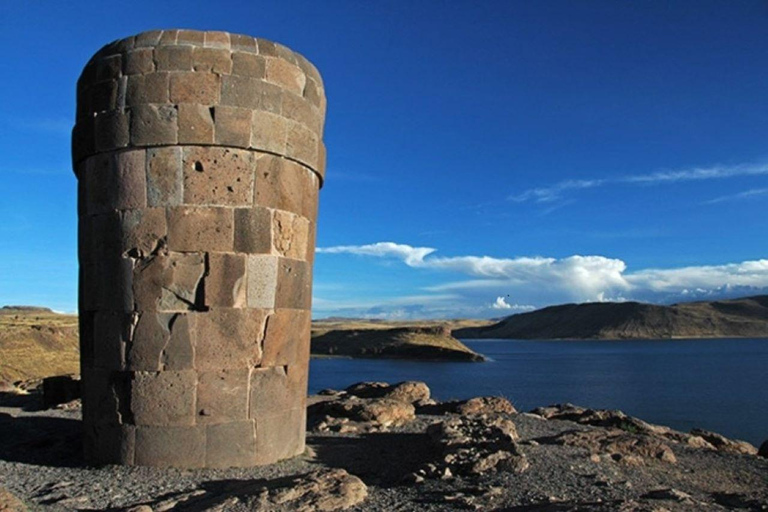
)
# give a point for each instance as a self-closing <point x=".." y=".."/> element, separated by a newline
<point x="380" y="447"/>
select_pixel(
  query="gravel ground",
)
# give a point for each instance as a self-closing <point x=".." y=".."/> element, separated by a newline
<point x="40" y="463"/>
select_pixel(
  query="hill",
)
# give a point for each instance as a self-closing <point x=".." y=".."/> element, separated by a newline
<point x="424" y="342"/>
<point x="35" y="343"/>
<point x="746" y="317"/>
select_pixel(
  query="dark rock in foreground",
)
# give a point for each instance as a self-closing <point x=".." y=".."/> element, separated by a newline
<point x="747" y="317"/>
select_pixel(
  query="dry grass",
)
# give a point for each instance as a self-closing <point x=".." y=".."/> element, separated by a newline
<point x="36" y="344"/>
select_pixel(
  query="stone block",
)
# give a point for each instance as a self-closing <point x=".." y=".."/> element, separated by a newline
<point x="302" y="144"/>
<point x="102" y="240"/>
<point x="179" y="352"/>
<point x="225" y="282"/>
<point x="308" y="68"/>
<point x="215" y="39"/>
<point x="169" y="281"/>
<point x="232" y="126"/>
<point x="294" y="284"/>
<point x="173" y="58"/>
<point x="154" y="125"/>
<point x="149" y="88"/>
<point x="162" y="341"/>
<point x="191" y="37"/>
<point x="195" y="124"/>
<point x="130" y="185"/>
<point x="111" y="130"/>
<point x="139" y="62"/>
<point x="300" y="110"/>
<point x="148" y="38"/>
<point x="253" y="230"/>
<point x="166" y="446"/>
<point x="286" y="54"/>
<point x="200" y="88"/>
<point x="109" y="332"/>
<point x="262" y="281"/>
<point x="248" y="64"/>
<point x="280" y="436"/>
<point x="200" y="229"/>
<point x="107" y="284"/>
<point x="321" y="158"/>
<point x="212" y="60"/>
<point x="220" y="176"/>
<point x="290" y="234"/>
<point x="222" y="396"/>
<point x="269" y="132"/>
<point x="83" y="140"/>
<point x="168" y="37"/>
<point x="164" y="398"/>
<point x="229" y="339"/>
<point x="285" y="185"/>
<point x="109" y="444"/>
<point x="150" y="336"/>
<point x="240" y="91"/>
<point x="142" y="231"/>
<point x="109" y="68"/>
<point x="243" y="43"/>
<point x="266" y="47"/>
<point x="276" y="390"/>
<point x="103" y="96"/>
<point x="311" y="242"/>
<point x="285" y="75"/>
<point x="287" y="338"/>
<point x="104" y="396"/>
<point x="231" y="444"/>
<point x="164" y="177"/>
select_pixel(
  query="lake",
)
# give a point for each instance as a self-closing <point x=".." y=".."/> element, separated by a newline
<point x="719" y="385"/>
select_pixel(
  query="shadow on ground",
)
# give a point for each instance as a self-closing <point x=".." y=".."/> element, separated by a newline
<point x="42" y="441"/>
<point x="381" y="459"/>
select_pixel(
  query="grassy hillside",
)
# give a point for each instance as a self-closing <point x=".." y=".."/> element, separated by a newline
<point x="747" y="317"/>
<point x="35" y="342"/>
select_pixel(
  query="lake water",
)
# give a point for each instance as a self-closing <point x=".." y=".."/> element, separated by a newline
<point x="719" y="385"/>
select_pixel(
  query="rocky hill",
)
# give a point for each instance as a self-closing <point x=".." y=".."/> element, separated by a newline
<point x="746" y="317"/>
<point x="421" y="342"/>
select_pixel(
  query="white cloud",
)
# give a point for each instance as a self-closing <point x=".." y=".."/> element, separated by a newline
<point x="543" y="281"/>
<point x="747" y="194"/>
<point x="557" y="191"/>
<point x="501" y="303"/>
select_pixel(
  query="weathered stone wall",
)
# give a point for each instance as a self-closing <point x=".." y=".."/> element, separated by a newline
<point x="199" y="157"/>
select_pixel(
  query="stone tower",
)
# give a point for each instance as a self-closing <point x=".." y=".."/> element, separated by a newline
<point x="199" y="158"/>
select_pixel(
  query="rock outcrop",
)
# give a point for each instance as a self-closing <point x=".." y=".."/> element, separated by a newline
<point x="427" y="343"/>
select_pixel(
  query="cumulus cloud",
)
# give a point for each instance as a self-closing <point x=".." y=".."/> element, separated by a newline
<point x="543" y="281"/>
<point x="556" y="192"/>
<point x="501" y="303"/>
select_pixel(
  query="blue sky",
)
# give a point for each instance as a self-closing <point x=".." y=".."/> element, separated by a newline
<point x="484" y="158"/>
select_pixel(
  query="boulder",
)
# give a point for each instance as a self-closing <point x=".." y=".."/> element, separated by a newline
<point x="408" y="391"/>
<point x="618" y="445"/>
<point x="9" y="502"/>
<point x="60" y="389"/>
<point x="323" y="490"/>
<point x="381" y="411"/>
<point x="763" y="451"/>
<point x="723" y="444"/>
<point x="485" y="405"/>
<point x="474" y="445"/>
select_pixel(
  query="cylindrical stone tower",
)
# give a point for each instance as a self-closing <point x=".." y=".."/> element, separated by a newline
<point x="199" y="157"/>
